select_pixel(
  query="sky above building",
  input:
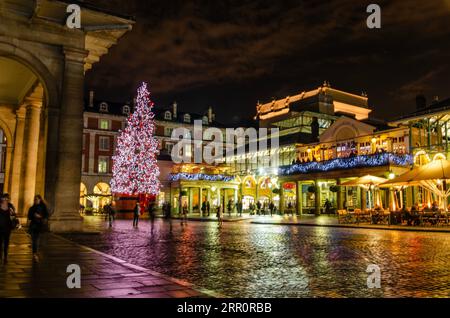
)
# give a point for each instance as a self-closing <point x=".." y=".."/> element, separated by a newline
<point x="232" y="54"/>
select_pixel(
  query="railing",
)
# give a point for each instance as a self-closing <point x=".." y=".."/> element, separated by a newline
<point x="375" y="160"/>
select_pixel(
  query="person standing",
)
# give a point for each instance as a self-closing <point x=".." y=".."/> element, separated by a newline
<point x="184" y="213"/>
<point x="38" y="216"/>
<point x="136" y="214"/>
<point x="239" y="207"/>
<point x="151" y="213"/>
<point x="203" y="208"/>
<point x="6" y="225"/>
<point x="208" y="207"/>
<point x="219" y="215"/>
<point x="230" y="207"/>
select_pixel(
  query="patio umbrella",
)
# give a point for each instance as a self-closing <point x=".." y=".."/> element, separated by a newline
<point x="368" y="182"/>
<point x="430" y="176"/>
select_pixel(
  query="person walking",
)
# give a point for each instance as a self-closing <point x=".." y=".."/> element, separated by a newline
<point x="38" y="216"/>
<point x="203" y="209"/>
<point x="271" y="207"/>
<point x="184" y="213"/>
<point x="110" y="212"/>
<point x="152" y="213"/>
<point x="137" y="213"/>
<point x="208" y="207"/>
<point x="6" y="225"/>
<point x="239" y="207"/>
<point x="219" y="215"/>
<point x="230" y="207"/>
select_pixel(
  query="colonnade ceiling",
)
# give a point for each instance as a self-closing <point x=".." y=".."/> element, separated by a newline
<point x="16" y="82"/>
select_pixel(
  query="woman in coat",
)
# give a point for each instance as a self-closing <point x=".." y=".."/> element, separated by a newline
<point x="38" y="216"/>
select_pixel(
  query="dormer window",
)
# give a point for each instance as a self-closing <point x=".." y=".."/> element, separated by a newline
<point x="126" y="110"/>
<point x="205" y="120"/>
<point x="168" y="115"/>
<point x="187" y="118"/>
<point x="104" y="107"/>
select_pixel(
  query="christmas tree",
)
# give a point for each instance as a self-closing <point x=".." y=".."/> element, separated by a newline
<point x="134" y="164"/>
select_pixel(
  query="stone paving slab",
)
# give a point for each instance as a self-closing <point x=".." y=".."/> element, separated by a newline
<point x="102" y="275"/>
<point x="331" y="221"/>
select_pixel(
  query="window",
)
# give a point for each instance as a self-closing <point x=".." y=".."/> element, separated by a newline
<point x="205" y="120"/>
<point x="169" y="148"/>
<point x="104" y="143"/>
<point x="103" y="164"/>
<point x="126" y="110"/>
<point x="104" y="107"/>
<point x="168" y="131"/>
<point x="187" y="118"/>
<point x="104" y="124"/>
<point x="168" y="115"/>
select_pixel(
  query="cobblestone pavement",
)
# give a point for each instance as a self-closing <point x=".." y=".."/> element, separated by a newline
<point x="101" y="275"/>
<point x="240" y="259"/>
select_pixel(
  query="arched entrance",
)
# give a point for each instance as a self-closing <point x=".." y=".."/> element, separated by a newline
<point x="101" y="196"/>
<point x="23" y="97"/>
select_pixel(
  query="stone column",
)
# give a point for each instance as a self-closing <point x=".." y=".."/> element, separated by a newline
<point x="190" y="199"/>
<point x="52" y="119"/>
<point x="281" y="207"/>
<point x="299" y="198"/>
<point x="9" y="153"/>
<point x="16" y="172"/>
<point x="339" y="197"/>
<point x="317" y="197"/>
<point x="68" y="179"/>
<point x="30" y="156"/>
<point x="363" y="199"/>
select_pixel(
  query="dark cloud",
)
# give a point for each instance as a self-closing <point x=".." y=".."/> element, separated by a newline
<point x="230" y="54"/>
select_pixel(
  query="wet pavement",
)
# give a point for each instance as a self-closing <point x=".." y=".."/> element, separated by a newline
<point x="240" y="259"/>
<point x="101" y="275"/>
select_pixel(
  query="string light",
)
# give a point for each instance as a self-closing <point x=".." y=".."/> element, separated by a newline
<point x="199" y="176"/>
<point x="134" y="164"/>
<point x="380" y="159"/>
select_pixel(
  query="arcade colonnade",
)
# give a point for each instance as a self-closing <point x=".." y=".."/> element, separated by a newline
<point x="41" y="101"/>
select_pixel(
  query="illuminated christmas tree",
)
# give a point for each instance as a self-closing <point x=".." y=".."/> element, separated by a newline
<point x="135" y="171"/>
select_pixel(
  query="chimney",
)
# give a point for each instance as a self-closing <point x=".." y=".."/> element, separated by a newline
<point x="421" y="102"/>
<point x="174" y="109"/>
<point x="210" y="115"/>
<point x="91" y="98"/>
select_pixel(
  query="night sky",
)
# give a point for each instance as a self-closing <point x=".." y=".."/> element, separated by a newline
<point x="231" y="54"/>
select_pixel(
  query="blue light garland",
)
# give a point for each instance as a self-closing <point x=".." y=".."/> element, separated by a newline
<point x="199" y="176"/>
<point x="376" y="160"/>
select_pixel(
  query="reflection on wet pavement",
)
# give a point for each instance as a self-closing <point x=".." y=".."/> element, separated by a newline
<point x="253" y="260"/>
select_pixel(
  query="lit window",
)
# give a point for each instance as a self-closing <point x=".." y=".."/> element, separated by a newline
<point x="168" y="115"/>
<point x="104" y="143"/>
<point x="187" y="118"/>
<point x="126" y="110"/>
<point x="104" y="124"/>
<point x="168" y="131"/>
<point x="103" y="164"/>
<point x="103" y="107"/>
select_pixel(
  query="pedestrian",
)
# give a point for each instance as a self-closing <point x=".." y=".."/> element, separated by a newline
<point x="208" y="207"/>
<point x="152" y="212"/>
<point x="38" y="216"/>
<point x="185" y="213"/>
<point x="239" y="207"/>
<point x="258" y="207"/>
<point x="219" y="215"/>
<point x="10" y="205"/>
<point x="6" y="225"/>
<point x="110" y="211"/>
<point x="230" y="207"/>
<point x="271" y="207"/>
<point x="137" y="213"/>
<point x="203" y="208"/>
